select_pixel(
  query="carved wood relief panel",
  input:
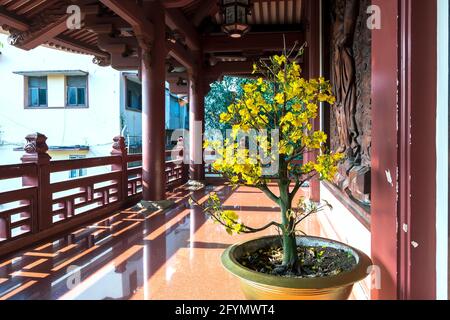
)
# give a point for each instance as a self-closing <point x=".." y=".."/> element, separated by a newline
<point x="350" y="119"/>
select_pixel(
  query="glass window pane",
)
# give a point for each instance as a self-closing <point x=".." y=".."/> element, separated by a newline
<point x="81" y="94"/>
<point x="77" y="81"/>
<point x="33" y="97"/>
<point x="72" y="96"/>
<point x="37" y="82"/>
<point x="230" y="15"/>
<point x="134" y="95"/>
<point x="42" y="97"/>
<point x="242" y="16"/>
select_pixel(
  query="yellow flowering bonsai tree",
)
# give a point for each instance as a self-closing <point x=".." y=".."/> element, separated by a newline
<point x="284" y="103"/>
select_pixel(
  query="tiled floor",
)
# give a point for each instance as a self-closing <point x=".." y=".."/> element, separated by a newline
<point x="138" y="255"/>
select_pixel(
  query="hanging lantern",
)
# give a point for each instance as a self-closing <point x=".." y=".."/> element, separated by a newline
<point x="234" y="13"/>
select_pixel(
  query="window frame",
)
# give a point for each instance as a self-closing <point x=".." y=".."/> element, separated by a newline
<point x="86" y="94"/>
<point x="127" y="107"/>
<point x="27" y="93"/>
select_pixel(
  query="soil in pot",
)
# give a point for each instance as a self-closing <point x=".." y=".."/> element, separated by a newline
<point x="314" y="262"/>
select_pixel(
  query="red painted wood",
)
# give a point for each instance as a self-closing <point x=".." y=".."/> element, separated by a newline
<point x="404" y="153"/>
<point x="153" y="110"/>
<point x="177" y="3"/>
<point x="313" y="69"/>
<point x="196" y="127"/>
<point x="38" y="211"/>
<point x="420" y="37"/>
<point x="176" y="20"/>
<point x="132" y="13"/>
<point x="384" y="211"/>
<point x="271" y="41"/>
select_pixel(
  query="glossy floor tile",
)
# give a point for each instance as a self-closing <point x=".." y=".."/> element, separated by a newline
<point x="135" y="254"/>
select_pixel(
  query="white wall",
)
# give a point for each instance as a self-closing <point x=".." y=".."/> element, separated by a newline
<point x="341" y="225"/>
<point x="442" y="132"/>
<point x="96" y="125"/>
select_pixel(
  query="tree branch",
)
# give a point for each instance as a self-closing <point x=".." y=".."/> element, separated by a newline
<point x="264" y="188"/>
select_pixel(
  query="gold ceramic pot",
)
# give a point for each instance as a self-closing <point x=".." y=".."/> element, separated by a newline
<point x="259" y="286"/>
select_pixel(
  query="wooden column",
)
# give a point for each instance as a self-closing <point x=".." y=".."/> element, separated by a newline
<point x="404" y="150"/>
<point x="313" y="71"/>
<point x="36" y="152"/>
<point x="153" y="107"/>
<point x="384" y="223"/>
<point x="119" y="149"/>
<point x="196" y="127"/>
<point x="417" y="185"/>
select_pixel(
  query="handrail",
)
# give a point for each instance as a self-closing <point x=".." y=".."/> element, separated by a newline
<point x="17" y="170"/>
<point x="65" y="165"/>
<point x="42" y="207"/>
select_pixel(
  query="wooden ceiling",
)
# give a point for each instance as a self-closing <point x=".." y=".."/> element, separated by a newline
<point x="108" y="29"/>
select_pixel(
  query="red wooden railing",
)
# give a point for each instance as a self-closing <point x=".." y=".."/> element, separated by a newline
<point x="42" y="207"/>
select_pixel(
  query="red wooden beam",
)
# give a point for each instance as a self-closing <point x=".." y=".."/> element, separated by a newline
<point x="13" y="21"/>
<point x="129" y="11"/>
<point x="34" y="8"/>
<point x="252" y="41"/>
<point x="77" y="46"/>
<point x="174" y="76"/>
<point x="208" y="7"/>
<point x="177" y="3"/>
<point x="179" y="53"/>
<point x="176" y="21"/>
<point x="119" y="62"/>
<point x="175" y="88"/>
<point x="229" y="68"/>
<point x="45" y="34"/>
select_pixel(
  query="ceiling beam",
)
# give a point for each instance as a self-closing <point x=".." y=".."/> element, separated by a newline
<point x="229" y="68"/>
<point x="208" y="7"/>
<point x="129" y="11"/>
<point x="177" y="3"/>
<point x="175" y="76"/>
<point x="34" y="8"/>
<point x="92" y="22"/>
<point x="119" y="62"/>
<point x="251" y="41"/>
<point x="179" y="53"/>
<point x="176" y="88"/>
<point x="42" y="30"/>
<point x="44" y="34"/>
<point x="176" y="21"/>
<point x="13" y="21"/>
<point x="77" y="46"/>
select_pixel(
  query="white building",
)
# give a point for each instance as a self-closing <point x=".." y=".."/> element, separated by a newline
<point x="77" y="104"/>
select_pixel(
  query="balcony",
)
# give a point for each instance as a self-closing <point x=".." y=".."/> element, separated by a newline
<point x="140" y="254"/>
<point x="46" y="205"/>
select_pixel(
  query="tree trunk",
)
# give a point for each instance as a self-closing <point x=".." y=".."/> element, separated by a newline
<point x="290" y="256"/>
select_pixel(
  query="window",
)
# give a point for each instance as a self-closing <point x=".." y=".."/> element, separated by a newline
<point x="76" y="91"/>
<point x="77" y="172"/>
<point x="37" y="91"/>
<point x="134" y="95"/>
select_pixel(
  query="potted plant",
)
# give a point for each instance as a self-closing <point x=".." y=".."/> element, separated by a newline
<point x="291" y="265"/>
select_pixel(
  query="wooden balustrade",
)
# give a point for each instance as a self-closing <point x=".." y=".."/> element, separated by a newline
<point x="41" y="208"/>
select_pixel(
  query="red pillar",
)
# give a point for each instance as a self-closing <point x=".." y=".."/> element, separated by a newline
<point x="418" y="154"/>
<point x="120" y="150"/>
<point x="403" y="222"/>
<point x="153" y="108"/>
<point x="313" y="71"/>
<point x="196" y="127"/>
<point x="36" y="152"/>
<point x="384" y="150"/>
